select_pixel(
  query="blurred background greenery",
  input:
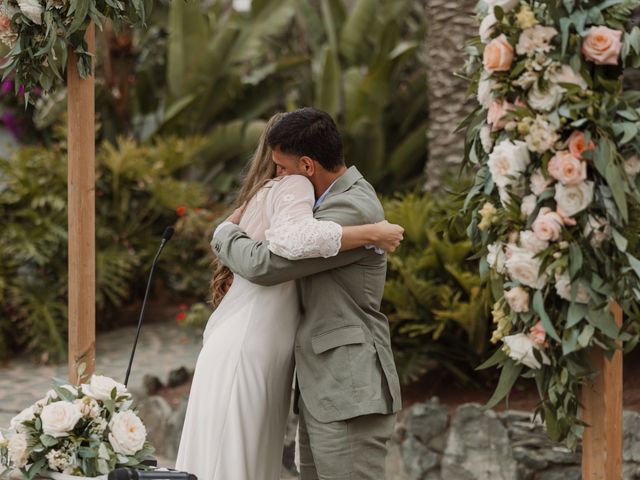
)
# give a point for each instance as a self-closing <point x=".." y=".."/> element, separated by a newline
<point x="180" y="107"/>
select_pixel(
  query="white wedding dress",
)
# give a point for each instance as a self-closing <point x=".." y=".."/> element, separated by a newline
<point x="239" y="401"/>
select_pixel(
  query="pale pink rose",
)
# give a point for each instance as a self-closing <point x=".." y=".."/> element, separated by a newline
<point x="518" y="299"/>
<point x="567" y="169"/>
<point x="578" y="145"/>
<point x="497" y="113"/>
<point x="539" y="183"/>
<point x="498" y="55"/>
<point x="538" y="334"/>
<point x="547" y="225"/>
<point x="602" y="45"/>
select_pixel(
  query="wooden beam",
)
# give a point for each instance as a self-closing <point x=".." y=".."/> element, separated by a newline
<point x="602" y="403"/>
<point x="81" y="215"/>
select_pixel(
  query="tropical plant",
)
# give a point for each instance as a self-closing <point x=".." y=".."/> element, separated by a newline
<point x="435" y="300"/>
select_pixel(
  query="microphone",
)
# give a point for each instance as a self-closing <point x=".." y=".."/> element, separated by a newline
<point x="166" y="236"/>
<point x="125" y="473"/>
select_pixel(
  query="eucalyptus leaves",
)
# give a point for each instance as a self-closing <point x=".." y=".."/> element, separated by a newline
<point x="555" y="143"/>
<point x="40" y="32"/>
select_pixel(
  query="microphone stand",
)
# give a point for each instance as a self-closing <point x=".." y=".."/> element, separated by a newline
<point x="168" y="232"/>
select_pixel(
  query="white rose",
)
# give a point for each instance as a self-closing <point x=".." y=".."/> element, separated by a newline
<point x="563" y="288"/>
<point x="632" y="166"/>
<point x="524" y="268"/>
<point x="485" y="91"/>
<point x="572" y="199"/>
<point x="241" y="5"/>
<point x="521" y="350"/>
<point x="486" y="139"/>
<point x="487" y="26"/>
<point x="518" y="299"/>
<point x="526" y="80"/>
<point x="59" y="418"/>
<point x="545" y="101"/>
<point x="508" y="161"/>
<point x="535" y="40"/>
<point x="32" y="9"/>
<point x="531" y="243"/>
<point x="101" y="387"/>
<point x="597" y="229"/>
<point x="528" y="205"/>
<point x="496" y="257"/>
<point x="127" y="433"/>
<point x="506" y="5"/>
<point x="18" y="454"/>
<point x="565" y="74"/>
<point x="542" y="135"/>
<point x="15" y="424"/>
<point x="539" y="183"/>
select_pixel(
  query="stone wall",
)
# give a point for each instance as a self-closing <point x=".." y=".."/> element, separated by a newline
<point x="431" y="444"/>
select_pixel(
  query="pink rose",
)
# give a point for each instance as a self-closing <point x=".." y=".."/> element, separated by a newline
<point x="567" y="169"/>
<point x="602" y="45"/>
<point x="497" y="113"/>
<point x="538" y="334"/>
<point x="498" y="55"/>
<point x="547" y="225"/>
<point x="577" y="144"/>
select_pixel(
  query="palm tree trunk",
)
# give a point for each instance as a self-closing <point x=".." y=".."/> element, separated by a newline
<point x="450" y="24"/>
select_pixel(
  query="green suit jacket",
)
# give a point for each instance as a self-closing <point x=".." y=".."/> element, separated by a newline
<point x="344" y="362"/>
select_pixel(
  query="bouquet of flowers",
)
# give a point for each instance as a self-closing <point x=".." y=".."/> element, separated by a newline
<point x="84" y="430"/>
<point x="556" y="197"/>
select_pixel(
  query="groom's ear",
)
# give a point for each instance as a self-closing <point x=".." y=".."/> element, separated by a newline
<point x="308" y="165"/>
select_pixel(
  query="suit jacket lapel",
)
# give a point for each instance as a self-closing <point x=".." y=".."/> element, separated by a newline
<point x="344" y="183"/>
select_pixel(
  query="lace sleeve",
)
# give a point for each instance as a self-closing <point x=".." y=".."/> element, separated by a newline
<point x="293" y="232"/>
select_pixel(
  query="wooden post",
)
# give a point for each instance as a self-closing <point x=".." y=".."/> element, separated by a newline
<point x="81" y="215"/>
<point x="602" y="403"/>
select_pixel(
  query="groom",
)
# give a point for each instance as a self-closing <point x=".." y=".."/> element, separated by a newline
<point x="347" y="380"/>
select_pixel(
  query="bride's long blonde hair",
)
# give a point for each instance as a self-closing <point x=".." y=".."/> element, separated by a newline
<point x="261" y="169"/>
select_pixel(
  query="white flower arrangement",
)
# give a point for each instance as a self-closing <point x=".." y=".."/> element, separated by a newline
<point x="82" y="430"/>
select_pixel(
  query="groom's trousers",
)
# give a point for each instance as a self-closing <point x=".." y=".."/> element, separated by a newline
<point x="352" y="449"/>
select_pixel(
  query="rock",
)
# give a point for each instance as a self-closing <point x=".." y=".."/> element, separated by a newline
<point x="524" y="473"/>
<point x="478" y="447"/>
<point x="178" y="376"/>
<point x="529" y="457"/>
<point x="631" y="428"/>
<point x="563" y="473"/>
<point x="427" y="420"/>
<point x="561" y="455"/>
<point x="151" y="384"/>
<point x="630" y="471"/>
<point x="154" y="412"/>
<point x="417" y="458"/>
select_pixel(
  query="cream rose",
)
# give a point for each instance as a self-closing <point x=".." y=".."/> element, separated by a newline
<point x="518" y="299"/>
<point x="18" y="454"/>
<point x="508" y="161"/>
<point x="567" y="169"/>
<point x="127" y="433"/>
<point x="27" y="414"/>
<point x="602" y="45"/>
<point x="498" y="55"/>
<point x="548" y="225"/>
<point x="545" y="100"/>
<point x="524" y="268"/>
<point x="572" y="199"/>
<point x="59" y="418"/>
<point x="487" y="26"/>
<point x="539" y="183"/>
<point x="101" y="387"/>
<point x="521" y="350"/>
<point x="530" y="242"/>
<point x="535" y="40"/>
<point x="528" y="205"/>
<point x="563" y="288"/>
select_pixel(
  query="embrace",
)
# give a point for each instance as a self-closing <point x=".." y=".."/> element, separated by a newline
<point x="307" y="250"/>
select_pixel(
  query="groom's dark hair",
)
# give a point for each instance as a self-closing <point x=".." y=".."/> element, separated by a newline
<point x="309" y="132"/>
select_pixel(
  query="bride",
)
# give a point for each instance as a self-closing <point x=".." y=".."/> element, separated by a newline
<point x="240" y="395"/>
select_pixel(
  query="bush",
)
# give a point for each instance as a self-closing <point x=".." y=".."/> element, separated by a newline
<point x="436" y="302"/>
<point x="137" y="194"/>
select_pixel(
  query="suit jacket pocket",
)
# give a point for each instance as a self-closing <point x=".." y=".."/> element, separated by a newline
<point x="337" y="337"/>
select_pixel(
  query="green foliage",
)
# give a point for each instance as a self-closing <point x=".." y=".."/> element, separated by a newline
<point x="137" y="193"/>
<point x="434" y="298"/>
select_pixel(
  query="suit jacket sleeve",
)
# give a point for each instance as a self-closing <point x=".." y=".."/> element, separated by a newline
<point x="255" y="262"/>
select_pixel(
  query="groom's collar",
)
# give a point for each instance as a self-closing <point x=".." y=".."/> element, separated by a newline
<point x="345" y="181"/>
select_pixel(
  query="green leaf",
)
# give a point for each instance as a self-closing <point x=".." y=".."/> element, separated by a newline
<point x="48" y="440"/>
<point x="620" y="240"/>
<point x="328" y="83"/>
<point x="635" y="264"/>
<point x="604" y="321"/>
<point x="35" y="468"/>
<point x="508" y="376"/>
<point x="538" y="306"/>
<point x="577" y="311"/>
<point x="575" y="260"/>
<point x="86" y="452"/>
<point x="585" y="336"/>
<point x="498" y="357"/>
<point x="569" y="340"/>
<point x="354" y="32"/>
<point x="616" y="181"/>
